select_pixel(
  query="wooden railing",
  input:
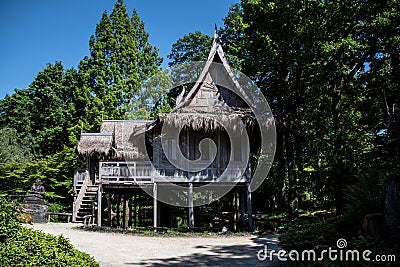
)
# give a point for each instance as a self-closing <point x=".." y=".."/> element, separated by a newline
<point x="81" y="194"/>
<point x="126" y="172"/>
<point x="79" y="176"/>
<point x="143" y="172"/>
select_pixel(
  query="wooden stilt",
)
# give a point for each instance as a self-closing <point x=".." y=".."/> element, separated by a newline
<point x="124" y="221"/>
<point x="109" y="209"/>
<point x="235" y="211"/>
<point x="140" y="217"/>
<point x="249" y="208"/>
<point x="130" y="210"/>
<point x="155" y="210"/>
<point x="134" y="211"/>
<point x="158" y="213"/>
<point x="242" y="208"/>
<point x="99" y="196"/>
<point x="190" y="207"/>
<point x="118" y="213"/>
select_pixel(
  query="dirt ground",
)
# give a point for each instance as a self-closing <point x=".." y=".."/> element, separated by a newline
<point x="115" y="249"/>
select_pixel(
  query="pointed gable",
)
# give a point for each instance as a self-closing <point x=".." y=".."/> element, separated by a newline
<point x="216" y="85"/>
<point x="215" y="101"/>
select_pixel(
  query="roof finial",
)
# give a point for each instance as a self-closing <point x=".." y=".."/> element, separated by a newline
<point x="216" y="38"/>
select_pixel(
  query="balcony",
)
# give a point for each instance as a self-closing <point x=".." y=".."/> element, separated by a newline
<point x="126" y="172"/>
<point x="133" y="173"/>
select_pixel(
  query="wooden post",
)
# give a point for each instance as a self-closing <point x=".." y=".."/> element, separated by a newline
<point x="249" y="208"/>
<point x="155" y="213"/>
<point x="140" y="216"/>
<point x="218" y="173"/>
<point x="124" y="221"/>
<point x="130" y="210"/>
<point x="109" y="209"/>
<point x="99" y="196"/>
<point x="242" y="208"/>
<point x="158" y="213"/>
<point x="134" y="212"/>
<point x="118" y="210"/>
<point x="190" y="207"/>
<point x="235" y="211"/>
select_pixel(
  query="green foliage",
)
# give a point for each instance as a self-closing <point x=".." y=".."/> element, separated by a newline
<point x="56" y="207"/>
<point x="21" y="246"/>
<point x="310" y="233"/>
<point x="151" y="98"/>
<point x="189" y="48"/>
<point x="121" y="59"/>
<point x="327" y="71"/>
<point x="13" y="149"/>
<point x="43" y="115"/>
<point x="232" y="36"/>
<point x="8" y="222"/>
<point x="56" y="173"/>
<point x="377" y="246"/>
<point x="366" y="194"/>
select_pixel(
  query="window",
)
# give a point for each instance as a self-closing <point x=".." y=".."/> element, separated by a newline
<point x="237" y="149"/>
<point x="172" y="149"/>
<point x="205" y="148"/>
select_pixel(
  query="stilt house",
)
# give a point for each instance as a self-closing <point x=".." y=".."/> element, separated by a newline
<point x="112" y="187"/>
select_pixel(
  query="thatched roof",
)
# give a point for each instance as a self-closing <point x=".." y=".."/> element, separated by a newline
<point x="128" y="137"/>
<point x="117" y="140"/>
<point x="216" y="101"/>
<point x="95" y="143"/>
<point x="209" y="119"/>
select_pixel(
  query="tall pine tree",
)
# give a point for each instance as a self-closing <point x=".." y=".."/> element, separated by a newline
<point x="121" y="59"/>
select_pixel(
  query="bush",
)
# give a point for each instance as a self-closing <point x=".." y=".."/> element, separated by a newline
<point x="367" y="194"/>
<point x="310" y="233"/>
<point x="21" y="246"/>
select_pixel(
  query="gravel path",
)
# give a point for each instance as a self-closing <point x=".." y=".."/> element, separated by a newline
<point x="113" y="249"/>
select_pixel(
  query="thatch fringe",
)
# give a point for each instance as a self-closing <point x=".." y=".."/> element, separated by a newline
<point x="117" y="140"/>
<point x="92" y="143"/>
<point x="207" y="121"/>
<point x="127" y="143"/>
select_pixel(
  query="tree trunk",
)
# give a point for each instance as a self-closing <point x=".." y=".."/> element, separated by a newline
<point x="281" y="177"/>
<point x="337" y="174"/>
<point x="290" y="161"/>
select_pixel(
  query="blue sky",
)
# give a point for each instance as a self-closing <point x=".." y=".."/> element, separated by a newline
<point x="35" y="33"/>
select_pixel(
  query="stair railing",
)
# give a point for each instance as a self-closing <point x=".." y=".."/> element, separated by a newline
<point x="79" y="198"/>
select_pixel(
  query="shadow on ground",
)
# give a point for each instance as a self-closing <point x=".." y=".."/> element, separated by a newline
<point x="217" y="255"/>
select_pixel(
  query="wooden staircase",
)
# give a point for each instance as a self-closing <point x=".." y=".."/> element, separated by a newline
<point x="86" y="198"/>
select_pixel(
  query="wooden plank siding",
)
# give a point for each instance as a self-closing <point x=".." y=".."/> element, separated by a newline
<point x="132" y="173"/>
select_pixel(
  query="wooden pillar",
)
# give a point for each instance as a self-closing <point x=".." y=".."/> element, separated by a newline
<point x="109" y="209"/>
<point x="140" y="219"/>
<point x="124" y="221"/>
<point x="99" y="196"/>
<point x="155" y="211"/>
<point x="218" y="154"/>
<point x="235" y="211"/>
<point x="190" y="207"/>
<point x="134" y="212"/>
<point x="130" y="210"/>
<point x="118" y="213"/>
<point x="242" y="208"/>
<point x="158" y="213"/>
<point x="249" y="208"/>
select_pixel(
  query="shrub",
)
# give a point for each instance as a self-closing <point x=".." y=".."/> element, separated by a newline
<point x="367" y="193"/>
<point x="21" y="246"/>
<point x="310" y="233"/>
